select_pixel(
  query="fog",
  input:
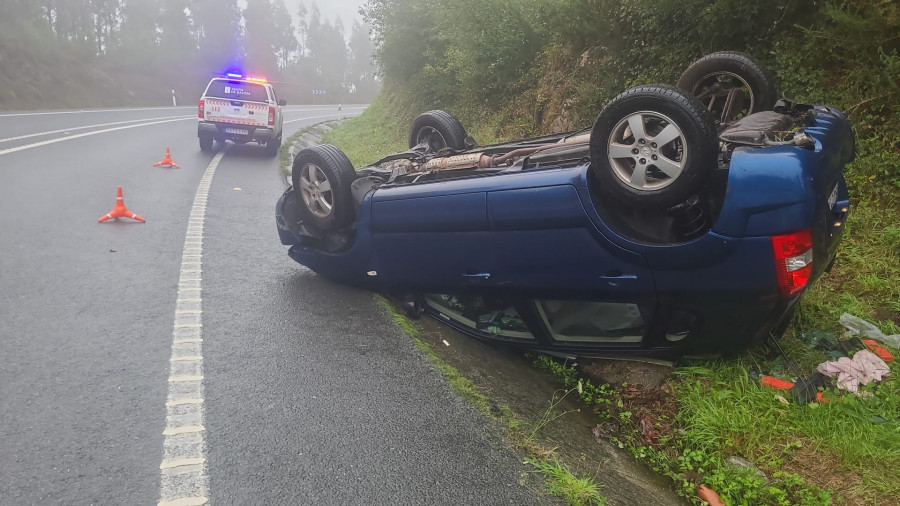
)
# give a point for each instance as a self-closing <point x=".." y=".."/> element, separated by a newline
<point x="347" y="10"/>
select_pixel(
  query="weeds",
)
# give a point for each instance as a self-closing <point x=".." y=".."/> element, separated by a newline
<point x="549" y="414"/>
<point x="562" y="483"/>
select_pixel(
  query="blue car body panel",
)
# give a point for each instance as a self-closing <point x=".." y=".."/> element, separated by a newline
<point x="539" y="234"/>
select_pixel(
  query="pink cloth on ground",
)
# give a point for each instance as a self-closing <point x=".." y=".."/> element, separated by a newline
<point x="862" y="369"/>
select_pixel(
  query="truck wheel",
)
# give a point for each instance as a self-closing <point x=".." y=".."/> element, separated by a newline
<point x="730" y="84"/>
<point x="273" y="146"/>
<point x="652" y="146"/>
<point x="322" y="176"/>
<point x="206" y="142"/>
<point x="438" y="130"/>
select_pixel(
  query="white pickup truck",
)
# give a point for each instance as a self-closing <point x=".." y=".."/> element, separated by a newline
<point x="240" y="109"/>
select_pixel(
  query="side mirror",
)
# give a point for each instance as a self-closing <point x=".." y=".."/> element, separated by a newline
<point x="282" y="102"/>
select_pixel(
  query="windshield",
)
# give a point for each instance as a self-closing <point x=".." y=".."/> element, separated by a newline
<point x="237" y="90"/>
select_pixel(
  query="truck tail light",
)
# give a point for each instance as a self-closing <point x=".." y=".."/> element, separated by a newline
<point x="271" y="116"/>
<point x="793" y="260"/>
<point x="200" y="107"/>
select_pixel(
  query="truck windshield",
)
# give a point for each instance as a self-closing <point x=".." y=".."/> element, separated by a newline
<point x="237" y="90"/>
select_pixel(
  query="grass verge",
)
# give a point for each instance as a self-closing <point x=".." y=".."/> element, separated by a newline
<point x="558" y="479"/>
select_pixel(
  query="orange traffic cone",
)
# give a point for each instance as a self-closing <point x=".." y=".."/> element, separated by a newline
<point x="120" y="211"/>
<point x="166" y="161"/>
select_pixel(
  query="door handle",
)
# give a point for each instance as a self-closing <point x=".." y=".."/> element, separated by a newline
<point x="480" y="275"/>
<point x="616" y="278"/>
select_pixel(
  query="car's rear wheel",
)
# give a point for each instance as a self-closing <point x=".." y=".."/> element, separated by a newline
<point x="730" y="85"/>
<point x="272" y="146"/>
<point x="322" y="176"/>
<point x="206" y="142"/>
<point x="437" y="130"/>
<point x="652" y="146"/>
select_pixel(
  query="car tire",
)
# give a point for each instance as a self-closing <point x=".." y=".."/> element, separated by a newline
<point x="439" y="129"/>
<point x="322" y="176"/>
<point x="663" y="164"/>
<point x="730" y="84"/>
<point x="206" y="142"/>
<point x="273" y="146"/>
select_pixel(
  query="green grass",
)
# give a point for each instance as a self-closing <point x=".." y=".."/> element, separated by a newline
<point x="726" y="413"/>
<point x="562" y="483"/>
<point x="375" y="133"/>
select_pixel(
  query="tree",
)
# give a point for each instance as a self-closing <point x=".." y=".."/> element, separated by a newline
<point x="176" y="38"/>
<point x="286" y="43"/>
<point x="217" y="25"/>
<point x="139" y="29"/>
<point x="327" y="51"/>
<point x="362" y="71"/>
<point x="260" y="37"/>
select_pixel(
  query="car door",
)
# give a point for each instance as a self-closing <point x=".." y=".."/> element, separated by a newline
<point x="586" y="290"/>
<point x="544" y="242"/>
<point x="432" y="240"/>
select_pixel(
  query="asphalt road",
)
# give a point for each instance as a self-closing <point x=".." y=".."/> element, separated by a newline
<point x="307" y="391"/>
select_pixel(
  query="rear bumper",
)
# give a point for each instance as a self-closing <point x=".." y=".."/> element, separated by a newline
<point x="218" y="131"/>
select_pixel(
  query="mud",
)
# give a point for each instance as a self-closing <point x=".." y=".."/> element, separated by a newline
<point x="508" y="378"/>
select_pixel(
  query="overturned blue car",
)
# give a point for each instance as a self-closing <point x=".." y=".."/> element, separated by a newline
<point x="686" y="220"/>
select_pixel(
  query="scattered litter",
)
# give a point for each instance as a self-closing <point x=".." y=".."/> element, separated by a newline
<point x="803" y="390"/>
<point x="237" y="189"/>
<point x="777" y="384"/>
<point x="882" y="353"/>
<point x="736" y="461"/>
<point x="862" y="369"/>
<point x="647" y="430"/>
<point x="856" y="326"/>
<point x="782" y="399"/>
<point x="445" y="342"/>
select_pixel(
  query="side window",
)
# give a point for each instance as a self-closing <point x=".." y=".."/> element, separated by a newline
<point x="489" y="316"/>
<point x="592" y="321"/>
<point x="272" y="97"/>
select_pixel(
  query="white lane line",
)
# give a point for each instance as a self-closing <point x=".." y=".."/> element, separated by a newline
<point x="185" y="501"/>
<point x="82" y="111"/>
<point x="182" y="478"/>
<point x="88" y="126"/>
<point x="169" y="464"/>
<point x="184" y="429"/>
<point x="77" y="136"/>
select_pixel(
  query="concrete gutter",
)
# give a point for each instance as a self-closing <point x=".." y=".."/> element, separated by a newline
<point x="311" y="136"/>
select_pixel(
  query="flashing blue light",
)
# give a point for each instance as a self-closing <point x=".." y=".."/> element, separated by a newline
<point x="234" y="74"/>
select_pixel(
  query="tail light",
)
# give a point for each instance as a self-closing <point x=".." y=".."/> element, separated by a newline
<point x="271" y="116"/>
<point x="200" y="107"/>
<point x="793" y="260"/>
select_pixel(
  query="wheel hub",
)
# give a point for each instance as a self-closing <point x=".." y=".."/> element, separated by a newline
<point x="647" y="150"/>
<point x="316" y="191"/>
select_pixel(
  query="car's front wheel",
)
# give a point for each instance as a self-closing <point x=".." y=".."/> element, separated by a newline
<point x="652" y="146"/>
<point x="322" y="176"/>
